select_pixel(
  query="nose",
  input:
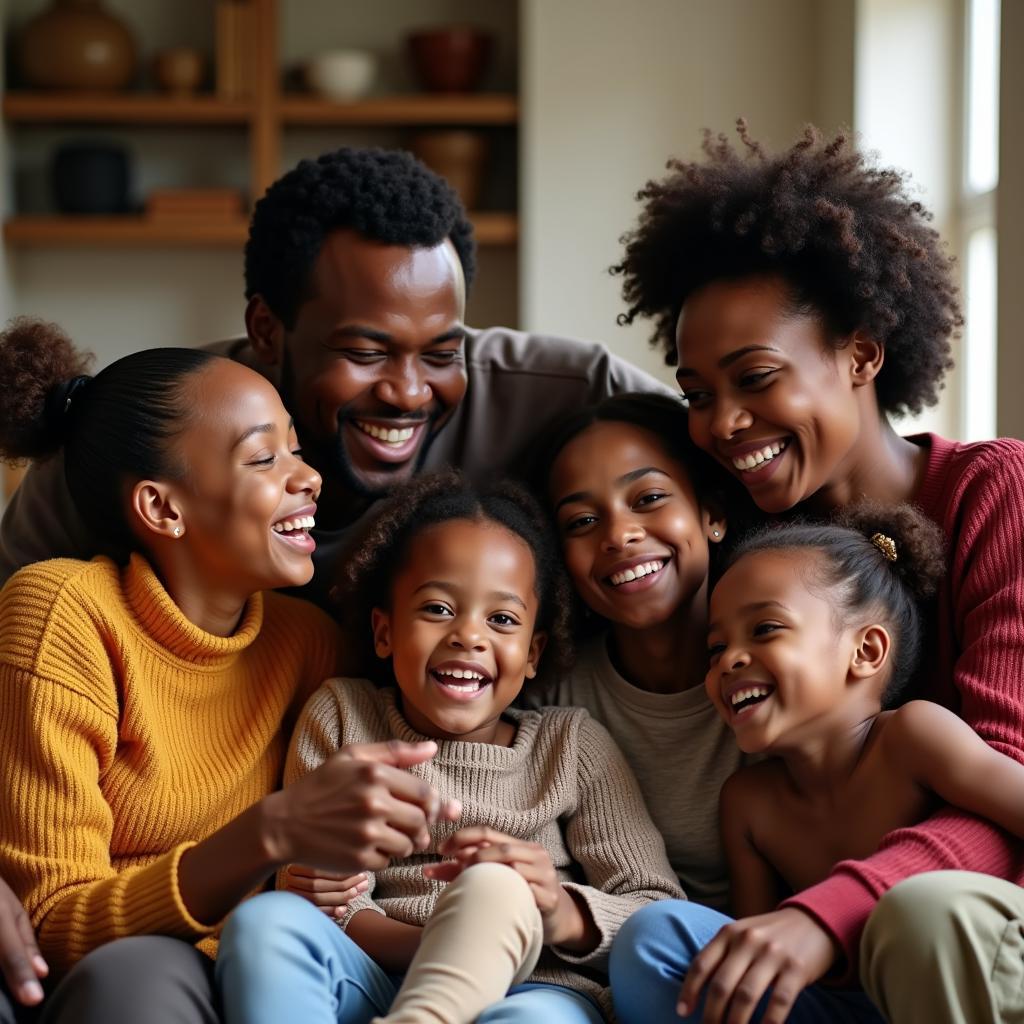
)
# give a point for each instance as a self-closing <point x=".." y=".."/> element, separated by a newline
<point x="403" y="385"/>
<point x="303" y="477"/>
<point x="620" y="531"/>
<point x="728" y="418"/>
<point x="733" y="659"/>
<point x="466" y="635"/>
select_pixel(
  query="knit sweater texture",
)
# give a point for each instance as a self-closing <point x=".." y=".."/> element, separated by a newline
<point x="130" y="734"/>
<point x="562" y="783"/>
<point x="975" y="666"/>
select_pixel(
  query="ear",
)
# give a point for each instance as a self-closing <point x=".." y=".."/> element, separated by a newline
<point x="265" y="330"/>
<point x="537" y="645"/>
<point x="381" y="621"/>
<point x="866" y="358"/>
<point x="873" y="645"/>
<point x="155" y="510"/>
<point x="715" y="525"/>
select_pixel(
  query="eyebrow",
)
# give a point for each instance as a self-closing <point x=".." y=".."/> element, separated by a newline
<point x="754" y="606"/>
<point x="262" y="428"/>
<point x="727" y="360"/>
<point x="501" y="595"/>
<point x="626" y="478"/>
<point x="361" y="331"/>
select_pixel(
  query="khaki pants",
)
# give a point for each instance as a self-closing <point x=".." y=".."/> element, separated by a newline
<point x="947" y="947"/>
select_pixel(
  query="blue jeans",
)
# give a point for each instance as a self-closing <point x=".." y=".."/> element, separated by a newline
<point x="654" y="949"/>
<point x="283" y="960"/>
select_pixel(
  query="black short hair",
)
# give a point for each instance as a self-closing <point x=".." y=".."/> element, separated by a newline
<point x="845" y="236"/>
<point x="876" y="560"/>
<point x="385" y="195"/>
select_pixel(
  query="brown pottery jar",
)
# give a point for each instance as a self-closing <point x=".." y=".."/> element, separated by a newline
<point x="76" y="44"/>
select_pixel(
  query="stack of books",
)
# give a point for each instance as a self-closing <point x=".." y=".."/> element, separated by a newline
<point x="235" y="50"/>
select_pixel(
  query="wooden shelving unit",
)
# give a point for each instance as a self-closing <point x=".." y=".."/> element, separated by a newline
<point x="266" y="116"/>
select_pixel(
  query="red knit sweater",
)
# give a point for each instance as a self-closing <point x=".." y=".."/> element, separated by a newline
<point x="975" y="492"/>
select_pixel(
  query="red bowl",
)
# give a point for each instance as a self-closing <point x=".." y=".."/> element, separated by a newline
<point x="452" y="59"/>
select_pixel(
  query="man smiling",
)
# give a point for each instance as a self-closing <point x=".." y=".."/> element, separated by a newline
<point x="357" y="268"/>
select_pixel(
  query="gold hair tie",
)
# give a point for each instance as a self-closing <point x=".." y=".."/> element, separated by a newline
<point x="886" y="545"/>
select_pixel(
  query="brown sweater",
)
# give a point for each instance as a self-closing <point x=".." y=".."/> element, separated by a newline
<point x="563" y="783"/>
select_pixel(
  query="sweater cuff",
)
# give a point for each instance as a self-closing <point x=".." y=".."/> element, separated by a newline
<point x="609" y="913"/>
<point x="841" y="905"/>
<point x="364" y="901"/>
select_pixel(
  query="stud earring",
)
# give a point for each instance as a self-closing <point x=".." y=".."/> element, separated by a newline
<point x="177" y="531"/>
<point x="716" y="533"/>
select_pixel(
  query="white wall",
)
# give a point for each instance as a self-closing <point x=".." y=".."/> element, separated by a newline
<point x="611" y="90"/>
<point x="907" y="107"/>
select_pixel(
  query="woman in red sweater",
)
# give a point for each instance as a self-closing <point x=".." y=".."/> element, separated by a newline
<point x="805" y="300"/>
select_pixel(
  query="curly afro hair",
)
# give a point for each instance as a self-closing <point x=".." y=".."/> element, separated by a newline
<point x="367" y="574"/>
<point x="844" y="235"/>
<point x="862" y="579"/>
<point x="385" y="195"/>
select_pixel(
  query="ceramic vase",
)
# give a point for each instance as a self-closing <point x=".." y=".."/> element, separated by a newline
<point x="77" y="44"/>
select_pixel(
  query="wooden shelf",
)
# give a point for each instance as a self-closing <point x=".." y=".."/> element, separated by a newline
<point x="101" y="232"/>
<point x="126" y="108"/>
<point x="475" y="109"/>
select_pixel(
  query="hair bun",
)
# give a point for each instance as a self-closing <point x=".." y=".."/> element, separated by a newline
<point x="908" y="542"/>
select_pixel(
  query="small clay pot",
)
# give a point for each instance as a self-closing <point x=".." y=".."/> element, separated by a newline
<point x="459" y="156"/>
<point x="76" y="44"/>
<point x="179" y="70"/>
<point x="450" y="59"/>
<point x="90" y="177"/>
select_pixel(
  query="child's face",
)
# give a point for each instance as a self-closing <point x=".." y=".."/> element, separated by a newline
<point x="460" y="629"/>
<point x="634" y="537"/>
<point x="778" y="659"/>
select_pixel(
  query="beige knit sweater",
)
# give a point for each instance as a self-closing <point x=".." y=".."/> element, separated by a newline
<point x="562" y="783"/>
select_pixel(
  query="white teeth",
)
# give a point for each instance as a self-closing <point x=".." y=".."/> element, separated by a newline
<point x="637" y="572"/>
<point x="298" y="523"/>
<point x="385" y="434"/>
<point x="753" y="691"/>
<point x="754" y="459"/>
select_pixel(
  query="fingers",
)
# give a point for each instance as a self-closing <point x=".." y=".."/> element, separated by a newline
<point x="700" y="971"/>
<point x="445" y="871"/>
<point x="393" y="752"/>
<point x="474" y="836"/>
<point x="20" y="959"/>
<point x="304" y="879"/>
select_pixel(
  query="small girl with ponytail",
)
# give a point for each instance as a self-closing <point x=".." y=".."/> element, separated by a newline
<point x="814" y="637"/>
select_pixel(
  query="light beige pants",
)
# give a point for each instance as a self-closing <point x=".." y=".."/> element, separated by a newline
<point x="947" y="947"/>
<point x="484" y="936"/>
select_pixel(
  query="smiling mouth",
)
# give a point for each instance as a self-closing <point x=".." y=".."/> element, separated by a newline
<point x="637" y="572"/>
<point x="748" y="697"/>
<point x="755" y="460"/>
<point x="461" y="682"/>
<point x="387" y="435"/>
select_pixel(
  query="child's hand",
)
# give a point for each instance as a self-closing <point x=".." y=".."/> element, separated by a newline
<point x="331" y="892"/>
<point x="784" y="951"/>
<point x="23" y="964"/>
<point x="565" y="923"/>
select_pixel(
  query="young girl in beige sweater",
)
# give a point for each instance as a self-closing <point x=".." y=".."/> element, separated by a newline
<point x="510" y="912"/>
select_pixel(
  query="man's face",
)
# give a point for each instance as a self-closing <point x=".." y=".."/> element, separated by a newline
<point x="374" y="365"/>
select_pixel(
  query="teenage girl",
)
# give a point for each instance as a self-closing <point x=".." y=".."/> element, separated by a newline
<point x="638" y="514"/>
<point x="147" y="695"/>
<point x="815" y="635"/>
<point x="806" y="299"/>
<point x="554" y="849"/>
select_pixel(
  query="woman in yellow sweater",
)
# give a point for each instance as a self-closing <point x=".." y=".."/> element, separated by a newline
<point x="148" y="696"/>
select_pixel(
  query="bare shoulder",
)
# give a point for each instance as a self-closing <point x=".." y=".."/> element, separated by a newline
<point x="754" y="785"/>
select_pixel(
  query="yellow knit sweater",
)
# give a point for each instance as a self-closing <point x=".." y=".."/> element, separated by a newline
<point x="129" y="734"/>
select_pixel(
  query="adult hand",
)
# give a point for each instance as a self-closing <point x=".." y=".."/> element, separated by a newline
<point x="23" y="965"/>
<point x="786" y="951"/>
<point x="479" y="844"/>
<point x="357" y="811"/>
<point x="330" y="891"/>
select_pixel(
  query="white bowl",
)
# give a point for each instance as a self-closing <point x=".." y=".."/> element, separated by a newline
<point x="342" y="74"/>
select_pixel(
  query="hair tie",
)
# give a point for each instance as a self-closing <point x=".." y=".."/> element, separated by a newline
<point x="58" y="402"/>
<point x="886" y="545"/>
